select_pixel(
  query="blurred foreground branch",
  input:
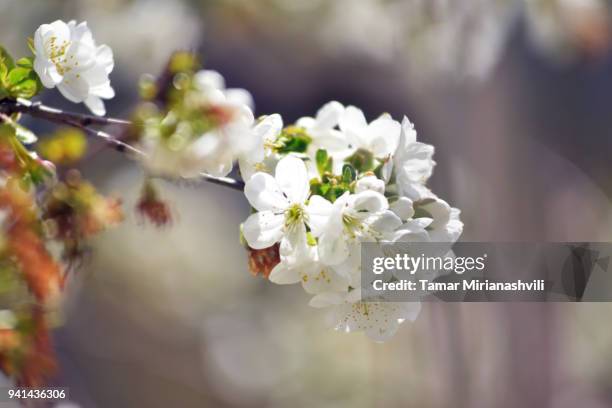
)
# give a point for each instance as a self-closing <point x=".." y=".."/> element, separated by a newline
<point x="85" y="121"/>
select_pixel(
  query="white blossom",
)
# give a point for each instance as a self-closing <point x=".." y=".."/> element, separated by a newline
<point x="212" y="84"/>
<point x="67" y="57"/>
<point x="371" y="183"/>
<point x="261" y="155"/>
<point x="380" y="137"/>
<point x="379" y="320"/>
<point x="187" y="154"/>
<point x="314" y="276"/>
<point x="282" y="209"/>
<point x="412" y="163"/>
<point x="320" y="239"/>
<point x="354" y="218"/>
<point x="445" y="225"/>
<point x="323" y="128"/>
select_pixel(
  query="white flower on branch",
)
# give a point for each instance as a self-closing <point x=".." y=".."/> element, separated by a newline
<point x="341" y="181"/>
<point x="445" y="225"/>
<point x="283" y="209"/>
<point x="354" y="218"/>
<point x="379" y="320"/>
<point x="212" y="84"/>
<point x="208" y="129"/>
<point x="67" y="57"/>
<point x="412" y="163"/>
<point x="380" y="137"/>
<point x="323" y="128"/>
<point x="315" y="277"/>
<point x="261" y="155"/>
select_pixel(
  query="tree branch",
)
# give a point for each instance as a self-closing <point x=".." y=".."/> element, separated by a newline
<point x="37" y="109"/>
<point x="84" y="121"/>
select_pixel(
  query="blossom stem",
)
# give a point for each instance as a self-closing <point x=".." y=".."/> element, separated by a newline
<point x="37" y="109"/>
<point x="83" y="121"/>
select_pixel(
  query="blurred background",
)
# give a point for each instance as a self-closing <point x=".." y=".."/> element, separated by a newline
<point x="516" y="96"/>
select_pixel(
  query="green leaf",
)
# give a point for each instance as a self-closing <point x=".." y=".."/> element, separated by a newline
<point x="25" y="89"/>
<point x="3" y="73"/>
<point x="25" y="62"/>
<point x="6" y="58"/>
<point x="18" y="75"/>
<point x="6" y="64"/>
<point x="21" y="81"/>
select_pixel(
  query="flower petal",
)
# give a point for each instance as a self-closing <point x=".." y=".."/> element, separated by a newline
<point x="369" y="201"/>
<point x="74" y="88"/>
<point x="239" y="96"/>
<point x="326" y="300"/>
<point x="208" y="80"/>
<point x="263" y="229"/>
<point x="333" y="249"/>
<point x="264" y="194"/>
<point x="318" y="278"/>
<point x="284" y="274"/>
<point x="95" y="105"/>
<point x="352" y="119"/>
<point x="440" y="211"/>
<point x="409" y="134"/>
<point x="402" y="208"/>
<point x="104" y="57"/>
<point x="306" y="122"/>
<point x="329" y="115"/>
<point x="294" y="247"/>
<point x="318" y="210"/>
<point x="383" y="136"/>
<point x="370" y="183"/>
<point x="292" y="178"/>
<point x="47" y="72"/>
<point x="267" y="130"/>
<point x="386" y="222"/>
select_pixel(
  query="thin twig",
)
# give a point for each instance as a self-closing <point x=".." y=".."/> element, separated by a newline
<point x="37" y="109"/>
<point x="112" y="141"/>
<point x="82" y="121"/>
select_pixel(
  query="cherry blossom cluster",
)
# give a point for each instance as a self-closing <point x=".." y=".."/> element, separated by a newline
<point x="325" y="185"/>
<point x="319" y="187"/>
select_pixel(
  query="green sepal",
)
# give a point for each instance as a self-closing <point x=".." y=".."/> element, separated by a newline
<point x="362" y="160"/>
<point x="348" y="174"/>
<point x="31" y="45"/>
<point x="324" y="161"/>
<point x="293" y="139"/>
